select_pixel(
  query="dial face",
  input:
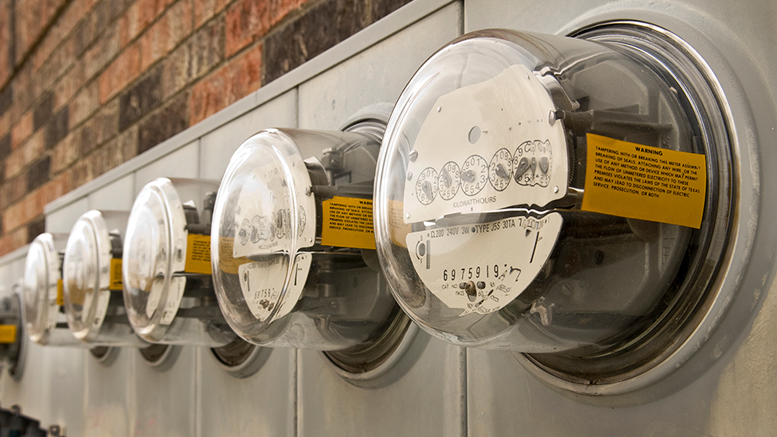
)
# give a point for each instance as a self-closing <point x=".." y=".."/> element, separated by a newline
<point x="532" y="162"/>
<point x="500" y="170"/>
<point x="474" y="175"/>
<point x="449" y="180"/>
<point x="426" y="186"/>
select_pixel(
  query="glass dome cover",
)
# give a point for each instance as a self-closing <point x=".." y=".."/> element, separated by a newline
<point x="42" y="294"/>
<point x="154" y="248"/>
<point x="279" y="279"/>
<point x="478" y="195"/>
<point x="92" y="281"/>
<point x="86" y="275"/>
<point x="269" y="214"/>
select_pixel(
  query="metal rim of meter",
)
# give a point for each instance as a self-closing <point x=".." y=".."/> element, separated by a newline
<point x="160" y="356"/>
<point x="645" y="359"/>
<point x="371" y="360"/>
<point x="16" y="368"/>
<point x="104" y="355"/>
<point x="240" y="358"/>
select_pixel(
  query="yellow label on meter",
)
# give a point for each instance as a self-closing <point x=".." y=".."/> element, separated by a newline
<point x="7" y="333"/>
<point x="60" y="292"/>
<point x="198" y="254"/>
<point x="116" y="280"/>
<point x="348" y="223"/>
<point x="642" y="182"/>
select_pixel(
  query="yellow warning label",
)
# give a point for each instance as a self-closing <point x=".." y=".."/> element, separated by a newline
<point x="643" y="182"/>
<point x="348" y="223"/>
<point x="116" y="281"/>
<point x="7" y="333"/>
<point x="60" y="292"/>
<point x="198" y="254"/>
<point x="227" y="263"/>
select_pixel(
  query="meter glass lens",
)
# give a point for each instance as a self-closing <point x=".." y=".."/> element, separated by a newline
<point x="147" y="256"/>
<point x="37" y="287"/>
<point x="480" y="182"/>
<point x="278" y="281"/>
<point x="81" y="279"/>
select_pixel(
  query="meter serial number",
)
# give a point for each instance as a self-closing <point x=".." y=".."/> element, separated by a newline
<point x="487" y="271"/>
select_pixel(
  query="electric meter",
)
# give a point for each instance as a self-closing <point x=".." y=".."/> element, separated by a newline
<point x="43" y="294"/>
<point x="555" y="196"/>
<point x="168" y="290"/>
<point x="92" y="277"/>
<point x="11" y="335"/>
<point x="293" y="240"/>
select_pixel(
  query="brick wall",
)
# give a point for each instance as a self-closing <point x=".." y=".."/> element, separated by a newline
<point x="88" y="84"/>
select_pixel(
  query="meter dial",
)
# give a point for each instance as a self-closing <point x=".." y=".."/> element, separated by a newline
<point x="426" y="186"/>
<point x="532" y="161"/>
<point x="500" y="169"/>
<point x="42" y="292"/>
<point x="92" y="278"/>
<point x="449" y="180"/>
<point x="474" y="175"/>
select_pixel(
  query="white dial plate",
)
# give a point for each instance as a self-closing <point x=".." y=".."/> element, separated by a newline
<point x="487" y="146"/>
<point x="483" y="267"/>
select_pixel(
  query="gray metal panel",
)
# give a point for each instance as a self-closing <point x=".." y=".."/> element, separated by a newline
<point x="51" y="388"/>
<point x="107" y="394"/>
<point x="116" y="196"/>
<point x="62" y="221"/>
<point x="217" y="147"/>
<point x="262" y="404"/>
<point x="163" y="399"/>
<point x="182" y="163"/>
<point x="376" y="75"/>
<point x="424" y="395"/>
<point x="330" y="406"/>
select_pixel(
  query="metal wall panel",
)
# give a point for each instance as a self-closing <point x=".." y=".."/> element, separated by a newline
<point x="107" y="394"/>
<point x="217" y="147"/>
<point x="182" y="163"/>
<point x="117" y="196"/>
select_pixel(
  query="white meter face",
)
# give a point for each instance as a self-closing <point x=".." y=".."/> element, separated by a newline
<point x="165" y="254"/>
<point x="286" y="248"/>
<point x="529" y="194"/>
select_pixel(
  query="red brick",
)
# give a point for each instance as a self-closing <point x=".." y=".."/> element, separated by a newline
<point x="227" y="85"/>
<point x="68" y="86"/>
<point x="105" y="49"/>
<point x="138" y="17"/>
<point x="32" y="17"/>
<point x="6" y="67"/>
<point x="66" y="152"/>
<point x="24" y="211"/>
<point x="25" y="154"/>
<point x="247" y="20"/>
<point x="55" y="188"/>
<point x="66" y="22"/>
<point x="279" y="9"/>
<point x="21" y="130"/>
<point x="204" y="10"/>
<point x="166" y="33"/>
<point x="123" y="70"/>
<point x="5" y="123"/>
<point x="85" y="103"/>
<point x="12" y="191"/>
<point x="81" y="173"/>
<point x="11" y="241"/>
